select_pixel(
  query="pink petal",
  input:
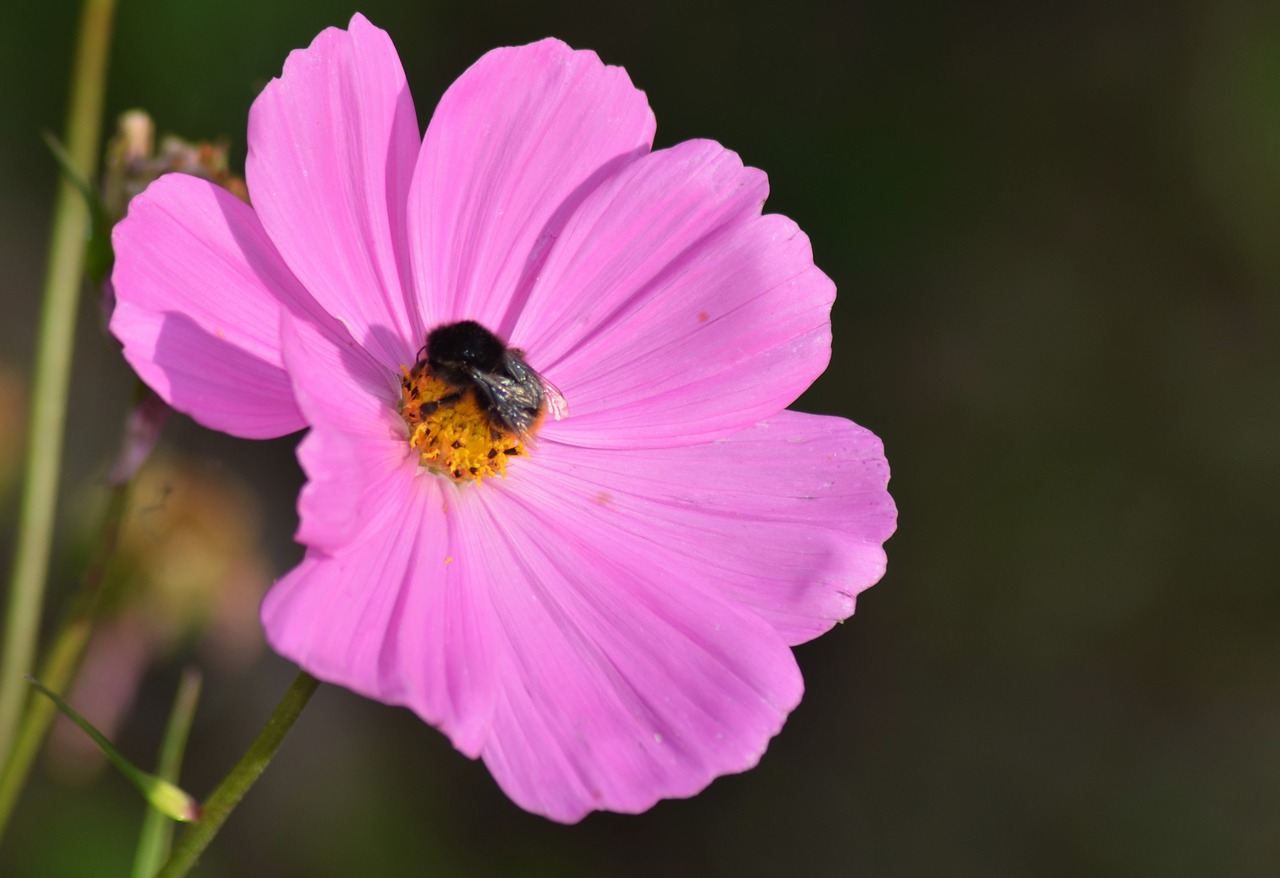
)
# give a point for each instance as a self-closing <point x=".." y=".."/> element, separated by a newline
<point x="357" y="449"/>
<point x="670" y="311"/>
<point x="199" y="290"/>
<point x="787" y="517"/>
<point x="392" y="617"/>
<point x="332" y="144"/>
<point x="515" y="144"/>
<point x="620" y="684"/>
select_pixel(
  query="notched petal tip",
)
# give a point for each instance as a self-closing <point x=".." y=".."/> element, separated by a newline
<point x="515" y="144"/>
<point x="332" y="146"/>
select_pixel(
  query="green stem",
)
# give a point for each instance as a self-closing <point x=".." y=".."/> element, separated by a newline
<point x="63" y="658"/>
<point x="157" y="829"/>
<point x="53" y="367"/>
<point x="218" y="807"/>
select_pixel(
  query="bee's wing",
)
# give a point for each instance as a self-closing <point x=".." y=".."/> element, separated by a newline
<point x="503" y="393"/>
<point x="513" y="403"/>
<point x="557" y="405"/>
<point x="507" y="394"/>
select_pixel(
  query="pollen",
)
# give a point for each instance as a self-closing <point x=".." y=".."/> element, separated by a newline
<point x="452" y="434"/>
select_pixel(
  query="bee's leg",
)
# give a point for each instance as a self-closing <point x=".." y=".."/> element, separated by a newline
<point x="427" y="409"/>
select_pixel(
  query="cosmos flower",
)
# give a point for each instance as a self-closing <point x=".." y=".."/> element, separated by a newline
<point x="601" y="607"/>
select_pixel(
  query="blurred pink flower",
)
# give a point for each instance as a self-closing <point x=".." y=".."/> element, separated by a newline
<point x="609" y="622"/>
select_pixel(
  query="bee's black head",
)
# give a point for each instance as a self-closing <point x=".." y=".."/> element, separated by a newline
<point x="453" y="350"/>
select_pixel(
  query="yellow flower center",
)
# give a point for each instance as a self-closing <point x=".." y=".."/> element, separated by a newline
<point x="453" y="434"/>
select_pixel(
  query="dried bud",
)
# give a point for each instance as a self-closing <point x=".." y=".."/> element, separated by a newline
<point x="132" y="162"/>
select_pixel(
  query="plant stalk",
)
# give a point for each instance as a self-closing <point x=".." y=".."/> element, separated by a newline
<point x="218" y="807"/>
<point x="55" y="341"/>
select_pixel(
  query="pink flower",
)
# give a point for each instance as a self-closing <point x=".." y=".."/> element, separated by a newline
<point x="609" y="622"/>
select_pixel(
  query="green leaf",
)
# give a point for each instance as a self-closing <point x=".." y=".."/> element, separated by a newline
<point x="99" y="257"/>
<point x="165" y="797"/>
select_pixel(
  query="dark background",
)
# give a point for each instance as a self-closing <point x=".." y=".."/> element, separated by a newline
<point x="1054" y="230"/>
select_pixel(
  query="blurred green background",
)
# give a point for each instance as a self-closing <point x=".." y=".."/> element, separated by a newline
<point x="1054" y="230"/>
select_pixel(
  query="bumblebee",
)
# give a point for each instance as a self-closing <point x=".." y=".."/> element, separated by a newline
<point x="469" y="358"/>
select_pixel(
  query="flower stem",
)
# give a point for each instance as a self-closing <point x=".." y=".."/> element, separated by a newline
<point x="218" y="807"/>
<point x="54" y="345"/>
